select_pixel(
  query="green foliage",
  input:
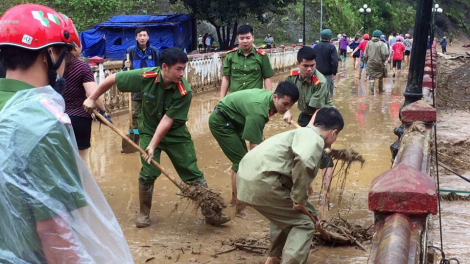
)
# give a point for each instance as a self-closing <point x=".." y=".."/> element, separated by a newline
<point x="464" y="3"/>
<point x="282" y="18"/>
<point x="86" y="13"/>
<point x="458" y="18"/>
<point x="259" y="42"/>
<point x="224" y="15"/>
<point x="388" y="16"/>
<point x="455" y="11"/>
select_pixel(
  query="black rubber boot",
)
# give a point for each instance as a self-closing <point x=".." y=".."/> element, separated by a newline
<point x="145" y="198"/>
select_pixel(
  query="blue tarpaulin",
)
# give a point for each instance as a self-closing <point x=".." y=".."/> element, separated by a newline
<point x="110" y="39"/>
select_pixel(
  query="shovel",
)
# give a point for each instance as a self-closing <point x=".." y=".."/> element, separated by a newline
<point x="133" y="134"/>
<point x="201" y="196"/>
<point x="135" y="147"/>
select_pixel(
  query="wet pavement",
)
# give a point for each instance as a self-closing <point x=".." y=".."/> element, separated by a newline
<point x="455" y="220"/>
<point x="177" y="233"/>
<point x="453" y="132"/>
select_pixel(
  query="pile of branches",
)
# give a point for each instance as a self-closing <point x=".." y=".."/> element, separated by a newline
<point x="455" y="197"/>
<point x="345" y="232"/>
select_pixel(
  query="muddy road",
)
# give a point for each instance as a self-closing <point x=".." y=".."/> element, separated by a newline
<point x="453" y="135"/>
<point x="178" y="234"/>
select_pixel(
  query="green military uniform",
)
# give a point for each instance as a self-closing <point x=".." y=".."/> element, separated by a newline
<point x="247" y="72"/>
<point x="238" y="117"/>
<point x="314" y="94"/>
<point x="9" y="87"/>
<point x="157" y="101"/>
<point x="136" y="109"/>
<point x="42" y="167"/>
<point x="272" y="177"/>
<point x="137" y="102"/>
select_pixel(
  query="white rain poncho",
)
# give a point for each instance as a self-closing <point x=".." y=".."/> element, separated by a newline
<point x="51" y="209"/>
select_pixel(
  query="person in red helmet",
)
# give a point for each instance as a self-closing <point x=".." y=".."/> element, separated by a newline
<point x="362" y="48"/>
<point x="52" y="210"/>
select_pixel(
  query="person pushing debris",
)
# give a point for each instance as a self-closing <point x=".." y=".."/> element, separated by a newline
<point x="242" y="116"/>
<point x="314" y="94"/>
<point x="273" y="178"/>
<point x="165" y="106"/>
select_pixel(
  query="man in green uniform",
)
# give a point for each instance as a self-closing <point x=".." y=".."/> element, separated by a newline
<point x="246" y="67"/>
<point x="312" y="85"/>
<point x="242" y="116"/>
<point x="162" y="125"/>
<point x="273" y="179"/>
<point x="314" y="94"/>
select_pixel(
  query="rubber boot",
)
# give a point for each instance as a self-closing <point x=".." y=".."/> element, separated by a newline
<point x="145" y="198"/>
<point x="240" y="208"/>
<point x="214" y="218"/>
<point x="210" y="216"/>
<point x="381" y="85"/>
<point x="371" y="86"/>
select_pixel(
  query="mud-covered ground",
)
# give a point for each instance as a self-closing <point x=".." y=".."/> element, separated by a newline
<point x="453" y="133"/>
<point x="178" y="234"/>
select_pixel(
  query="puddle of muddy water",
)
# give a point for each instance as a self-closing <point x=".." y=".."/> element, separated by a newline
<point x="455" y="220"/>
<point x="175" y="235"/>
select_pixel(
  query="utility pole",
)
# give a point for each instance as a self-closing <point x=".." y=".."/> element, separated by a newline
<point x="414" y="86"/>
<point x="321" y="16"/>
<point x="364" y="10"/>
<point x="303" y="39"/>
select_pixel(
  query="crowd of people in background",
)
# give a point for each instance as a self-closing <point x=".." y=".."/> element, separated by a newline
<point x="345" y="44"/>
<point x="398" y="47"/>
<point x="205" y="43"/>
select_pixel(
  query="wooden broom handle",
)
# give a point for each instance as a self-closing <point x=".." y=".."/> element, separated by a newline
<point x="120" y="133"/>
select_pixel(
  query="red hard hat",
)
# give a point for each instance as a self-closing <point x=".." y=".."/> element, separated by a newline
<point x="366" y="36"/>
<point x="34" y="27"/>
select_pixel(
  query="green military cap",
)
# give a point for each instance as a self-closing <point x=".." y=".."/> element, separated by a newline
<point x="326" y="34"/>
<point x="376" y="33"/>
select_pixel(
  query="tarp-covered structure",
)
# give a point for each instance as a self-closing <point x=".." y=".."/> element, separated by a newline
<point x="110" y="39"/>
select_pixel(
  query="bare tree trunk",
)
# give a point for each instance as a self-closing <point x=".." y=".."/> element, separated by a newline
<point x="227" y="38"/>
<point x="234" y="34"/>
<point x="194" y="34"/>
<point x="217" y="29"/>
<point x="222" y="41"/>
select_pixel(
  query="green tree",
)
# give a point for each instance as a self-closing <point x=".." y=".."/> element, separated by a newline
<point x="225" y="15"/>
<point x="86" y="13"/>
<point x="388" y="16"/>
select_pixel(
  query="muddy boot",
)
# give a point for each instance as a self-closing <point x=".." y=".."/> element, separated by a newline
<point x="371" y="86"/>
<point x="212" y="217"/>
<point x="240" y="209"/>
<point x="273" y="260"/>
<point x="381" y="85"/>
<point x="202" y="183"/>
<point x="145" y="198"/>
